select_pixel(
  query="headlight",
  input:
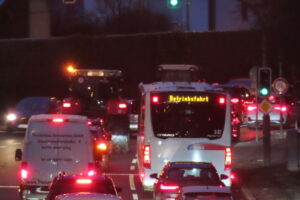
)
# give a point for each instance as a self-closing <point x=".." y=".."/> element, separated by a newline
<point x="11" y="117"/>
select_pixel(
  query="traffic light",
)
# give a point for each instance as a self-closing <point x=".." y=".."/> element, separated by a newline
<point x="264" y="81"/>
<point x="174" y="3"/>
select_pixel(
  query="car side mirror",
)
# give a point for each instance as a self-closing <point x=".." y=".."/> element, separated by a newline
<point x="223" y="176"/>
<point x="18" y="155"/>
<point x="154" y="176"/>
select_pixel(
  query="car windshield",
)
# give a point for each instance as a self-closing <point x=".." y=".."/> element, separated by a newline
<point x="34" y="104"/>
<point x="193" y="175"/>
<point x="207" y="196"/>
<point x="188" y="115"/>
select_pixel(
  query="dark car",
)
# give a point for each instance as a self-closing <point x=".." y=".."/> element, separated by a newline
<point x="66" y="184"/>
<point x="17" y="117"/>
<point x="178" y="174"/>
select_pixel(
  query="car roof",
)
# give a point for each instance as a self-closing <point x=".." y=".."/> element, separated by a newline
<point x="215" y="189"/>
<point x="87" y="196"/>
<point x="51" y="116"/>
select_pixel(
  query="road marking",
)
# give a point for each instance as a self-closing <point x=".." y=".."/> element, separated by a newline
<point x="134" y="161"/>
<point x="132" y="167"/>
<point x="9" y="186"/>
<point x="135" y="196"/>
<point x="131" y="182"/>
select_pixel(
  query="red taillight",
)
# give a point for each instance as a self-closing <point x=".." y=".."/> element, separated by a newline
<point x="227" y="158"/>
<point x="235" y="100"/>
<point x="232" y="177"/>
<point x="167" y="187"/>
<point x="89" y="123"/>
<point x="122" y="105"/>
<point x="155" y="99"/>
<point x="91" y="169"/>
<point x="67" y="105"/>
<point x="221" y="100"/>
<point x="102" y="146"/>
<point x="84" y="181"/>
<point x="251" y="108"/>
<point x="281" y="108"/>
<point x="147" y="159"/>
<point x="24" y="170"/>
<point x="57" y="120"/>
<point x="142" y="175"/>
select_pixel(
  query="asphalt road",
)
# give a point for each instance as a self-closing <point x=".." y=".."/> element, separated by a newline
<point x="122" y="168"/>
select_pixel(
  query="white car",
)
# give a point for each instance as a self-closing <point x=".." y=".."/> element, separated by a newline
<point x="87" y="196"/>
<point x="204" y="192"/>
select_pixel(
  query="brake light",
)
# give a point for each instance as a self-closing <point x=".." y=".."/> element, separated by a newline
<point x="24" y="171"/>
<point x="227" y="158"/>
<point x="67" y="105"/>
<point x="283" y="108"/>
<point x="84" y="181"/>
<point x="89" y="123"/>
<point x="221" y="100"/>
<point x="102" y="146"/>
<point x="91" y="169"/>
<point x="166" y="187"/>
<point x="147" y="159"/>
<point x="155" y="99"/>
<point x="122" y="105"/>
<point x="251" y="108"/>
<point x="57" y="120"/>
<point x="235" y="100"/>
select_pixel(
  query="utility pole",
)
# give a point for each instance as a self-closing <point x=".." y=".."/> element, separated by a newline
<point x="188" y="3"/>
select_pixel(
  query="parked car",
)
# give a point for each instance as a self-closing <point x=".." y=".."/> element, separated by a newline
<point x="87" y="196"/>
<point x="204" y="192"/>
<point x="178" y="174"/>
<point x="17" y="117"/>
<point x="65" y="184"/>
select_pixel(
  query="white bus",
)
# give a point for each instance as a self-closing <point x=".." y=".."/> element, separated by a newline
<point x="183" y="121"/>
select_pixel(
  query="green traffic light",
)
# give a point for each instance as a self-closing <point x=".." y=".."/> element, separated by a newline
<point x="264" y="91"/>
<point x="174" y="3"/>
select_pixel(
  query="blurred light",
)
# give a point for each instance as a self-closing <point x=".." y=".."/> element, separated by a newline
<point x="102" y="146"/>
<point x="67" y="105"/>
<point x="71" y="69"/>
<point x="155" y="99"/>
<point x="84" y="181"/>
<point x="58" y="120"/>
<point x="221" y="100"/>
<point x="11" y="117"/>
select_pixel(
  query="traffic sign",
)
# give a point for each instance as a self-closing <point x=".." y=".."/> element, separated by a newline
<point x="265" y="106"/>
<point x="280" y="85"/>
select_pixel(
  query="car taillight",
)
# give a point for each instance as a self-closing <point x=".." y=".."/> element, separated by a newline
<point x="227" y="158"/>
<point x="281" y="108"/>
<point x="67" y="105"/>
<point x="24" y="170"/>
<point x="155" y="99"/>
<point x="251" y="108"/>
<point x="221" y="100"/>
<point x="102" y="146"/>
<point x="91" y="169"/>
<point x="235" y="100"/>
<point x="122" y="105"/>
<point x="84" y="181"/>
<point x="147" y="159"/>
<point x="168" y="187"/>
<point x="89" y="123"/>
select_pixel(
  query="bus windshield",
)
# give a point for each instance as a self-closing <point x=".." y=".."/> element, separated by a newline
<point x="188" y="115"/>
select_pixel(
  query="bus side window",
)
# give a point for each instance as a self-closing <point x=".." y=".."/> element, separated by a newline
<point x="142" y="116"/>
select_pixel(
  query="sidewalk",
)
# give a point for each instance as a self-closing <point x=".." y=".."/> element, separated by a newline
<point x="265" y="183"/>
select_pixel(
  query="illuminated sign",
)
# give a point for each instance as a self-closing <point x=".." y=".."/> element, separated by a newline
<point x="198" y="99"/>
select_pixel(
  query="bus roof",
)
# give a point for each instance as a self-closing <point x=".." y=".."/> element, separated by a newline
<point x="176" y="86"/>
<point x="181" y="67"/>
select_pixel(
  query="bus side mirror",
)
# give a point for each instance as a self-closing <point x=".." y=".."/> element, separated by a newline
<point x="18" y="155"/>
